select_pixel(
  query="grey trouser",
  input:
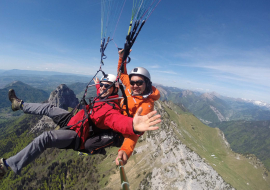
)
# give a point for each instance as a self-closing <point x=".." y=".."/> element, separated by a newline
<point x="48" y="139"/>
<point x="43" y="109"/>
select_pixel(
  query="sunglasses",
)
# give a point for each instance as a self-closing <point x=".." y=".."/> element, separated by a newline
<point x="105" y="85"/>
<point x="138" y="82"/>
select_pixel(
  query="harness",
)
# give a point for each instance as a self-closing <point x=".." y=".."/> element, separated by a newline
<point x="93" y="129"/>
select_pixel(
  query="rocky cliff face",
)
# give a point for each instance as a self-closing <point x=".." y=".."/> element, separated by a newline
<point x="178" y="166"/>
<point x="162" y="91"/>
<point x="44" y="124"/>
<point x="62" y="97"/>
<point x="218" y="114"/>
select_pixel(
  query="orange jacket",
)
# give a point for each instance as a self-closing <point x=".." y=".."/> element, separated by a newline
<point x="134" y="102"/>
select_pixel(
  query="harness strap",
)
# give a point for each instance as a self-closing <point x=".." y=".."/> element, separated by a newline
<point x="125" y="99"/>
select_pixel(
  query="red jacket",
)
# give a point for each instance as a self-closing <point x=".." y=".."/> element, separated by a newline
<point x="104" y="116"/>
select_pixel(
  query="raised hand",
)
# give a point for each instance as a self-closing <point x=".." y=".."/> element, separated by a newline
<point x="121" y="52"/>
<point x="145" y="122"/>
<point x="96" y="80"/>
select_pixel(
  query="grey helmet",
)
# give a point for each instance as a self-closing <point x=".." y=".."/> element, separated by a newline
<point x="140" y="71"/>
<point x="108" y="78"/>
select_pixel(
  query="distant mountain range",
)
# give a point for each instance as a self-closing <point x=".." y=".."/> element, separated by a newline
<point x="212" y="107"/>
<point x="45" y="80"/>
<point x="17" y="72"/>
<point x="208" y="107"/>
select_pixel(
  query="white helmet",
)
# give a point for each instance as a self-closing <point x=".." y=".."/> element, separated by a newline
<point x="108" y="78"/>
<point x="140" y="71"/>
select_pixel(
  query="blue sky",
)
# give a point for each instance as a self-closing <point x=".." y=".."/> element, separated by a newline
<point x="210" y="45"/>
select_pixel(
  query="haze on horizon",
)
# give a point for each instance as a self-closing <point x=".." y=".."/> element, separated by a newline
<point x="221" y="46"/>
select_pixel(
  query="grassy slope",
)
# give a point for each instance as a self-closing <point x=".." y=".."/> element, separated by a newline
<point x="206" y="141"/>
<point x="248" y="137"/>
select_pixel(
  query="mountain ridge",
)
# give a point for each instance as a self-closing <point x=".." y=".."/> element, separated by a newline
<point x="213" y="93"/>
<point x="212" y="107"/>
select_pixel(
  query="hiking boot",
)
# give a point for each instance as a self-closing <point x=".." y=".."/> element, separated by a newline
<point x="3" y="169"/>
<point x="16" y="103"/>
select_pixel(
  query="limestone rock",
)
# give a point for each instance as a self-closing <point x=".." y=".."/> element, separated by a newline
<point x="63" y="97"/>
<point x="44" y="124"/>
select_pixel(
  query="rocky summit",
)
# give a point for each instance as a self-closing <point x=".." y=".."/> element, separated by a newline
<point x="63" y="97"/>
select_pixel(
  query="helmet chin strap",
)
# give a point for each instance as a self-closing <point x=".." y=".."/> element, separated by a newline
<point x="132" y="94"/>
<point x="114" y="93"/>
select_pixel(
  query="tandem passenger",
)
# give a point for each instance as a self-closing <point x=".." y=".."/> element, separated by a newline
<point x="140" y="93"/>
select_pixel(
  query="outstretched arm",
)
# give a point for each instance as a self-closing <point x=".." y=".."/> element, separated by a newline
<point x="126" y="125"/>
<point x="127" y="147"/>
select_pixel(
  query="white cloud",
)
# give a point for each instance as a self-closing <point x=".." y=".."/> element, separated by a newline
<point x="154" y="66"/>
<point x="216" y="54"/>
<point x="247" y="66"/>
<point x="167" y="72"/>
